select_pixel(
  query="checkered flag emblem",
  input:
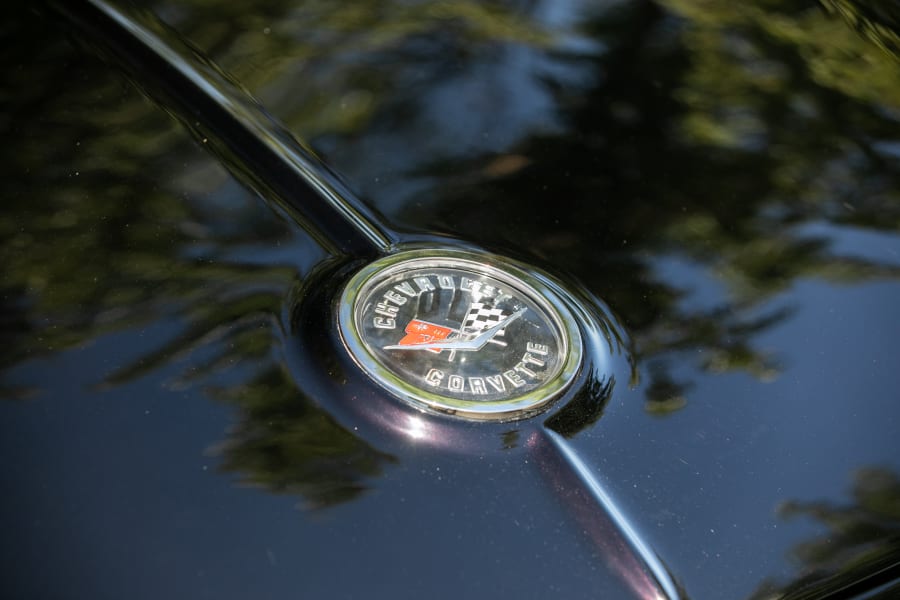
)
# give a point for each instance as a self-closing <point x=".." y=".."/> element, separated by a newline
<point x="481" y="316"/>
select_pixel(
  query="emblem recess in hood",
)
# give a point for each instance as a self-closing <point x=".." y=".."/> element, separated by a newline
<point x="461" y="333"/>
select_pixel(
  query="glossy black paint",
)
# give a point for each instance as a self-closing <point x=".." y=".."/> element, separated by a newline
<point x="725" y="179"/>
<point x="237" y="129"/>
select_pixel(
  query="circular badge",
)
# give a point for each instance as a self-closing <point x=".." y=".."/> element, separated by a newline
<point x="460" y="333"/>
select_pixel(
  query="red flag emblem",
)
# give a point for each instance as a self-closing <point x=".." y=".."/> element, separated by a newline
<point x="421" y="332"/>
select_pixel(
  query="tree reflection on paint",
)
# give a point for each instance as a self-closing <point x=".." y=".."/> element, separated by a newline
<point x="115" y="225"/>
<point x="861" y="539"/>
<point x="732" y="141"/>
<point x="723" y="149"/>
<point x="715" y="142"/>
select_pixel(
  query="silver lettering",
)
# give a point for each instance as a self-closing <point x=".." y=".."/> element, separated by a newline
<point x="530" y="359"/>
<point x="394" y="297"/>
<point x="520" y="367"/>
<point x="386" y="310"/>
<point x="382" y="323"/>
<point x="456" y="383"/>
<point x="424" y="284"/>
<point x="496" y="382"/>
<point x="434" y="377"/>
<point x="405" y="288"/>
<point x="513" y="378"/>
<point x="477" y="385"/>
<point x="446" y="282"/>
<point x="537" y="348"/>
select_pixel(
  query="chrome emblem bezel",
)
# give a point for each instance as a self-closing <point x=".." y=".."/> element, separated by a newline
<point x="529" y="288"/>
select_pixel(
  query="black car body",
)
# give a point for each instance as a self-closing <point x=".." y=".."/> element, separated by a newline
<point x="718" y="183"/>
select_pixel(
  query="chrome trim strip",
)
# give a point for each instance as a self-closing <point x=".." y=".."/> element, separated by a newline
<point x="667" y="588"/>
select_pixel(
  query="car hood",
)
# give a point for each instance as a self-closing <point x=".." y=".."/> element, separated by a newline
<point x="189" y="185"/>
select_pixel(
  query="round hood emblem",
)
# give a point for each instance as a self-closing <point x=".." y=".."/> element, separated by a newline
<point x="460" y="333"/>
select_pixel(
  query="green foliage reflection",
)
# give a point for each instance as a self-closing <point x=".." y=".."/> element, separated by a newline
<point x="116" y="227"/>
<point x="286" y="52"/>
<point x="861" y="538"/>
<point x="722" y="135"/>
<point x="723" y="146"/>
<point x="709" y="141"/>
<point x="286" y="445"/>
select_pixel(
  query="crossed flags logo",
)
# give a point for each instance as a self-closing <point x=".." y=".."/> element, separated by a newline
<point x="478" y="317"/>
<point x="481" y="316"/>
